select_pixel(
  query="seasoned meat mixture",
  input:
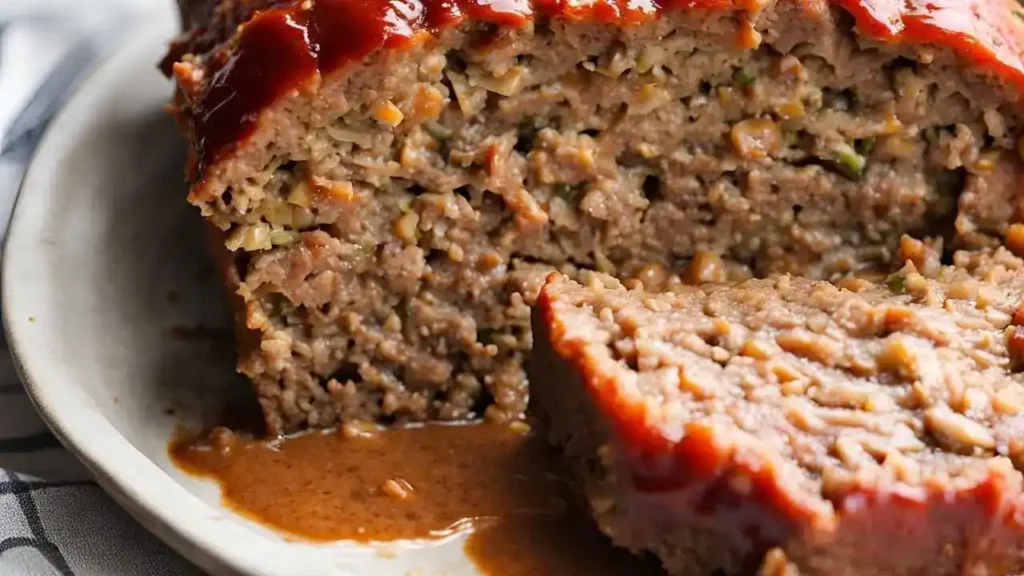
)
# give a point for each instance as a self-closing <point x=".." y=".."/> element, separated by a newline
<point x="797" y="426"/>
<point x="394" y="180"/>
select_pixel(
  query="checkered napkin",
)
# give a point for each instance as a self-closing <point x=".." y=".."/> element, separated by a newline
<point x="53" y="520"/>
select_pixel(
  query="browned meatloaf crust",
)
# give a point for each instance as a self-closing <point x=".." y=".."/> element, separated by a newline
<point x="787" y="423"/>
<point x="396" y="178"/>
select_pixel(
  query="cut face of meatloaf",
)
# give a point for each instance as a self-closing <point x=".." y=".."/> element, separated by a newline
<point x="793" y="425"/>
<point x="396" y="178"/>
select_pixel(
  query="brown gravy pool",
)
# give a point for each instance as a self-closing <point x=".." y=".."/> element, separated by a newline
<point x="406" y="483"/>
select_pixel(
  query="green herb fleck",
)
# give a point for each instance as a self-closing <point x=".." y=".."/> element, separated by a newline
<point x="280" y="305"/>
<point x="897" y="283"/>
<point x="849" y="162"/>
<point x="864" y="146"/>
<point x="437" y="130"/>
<point x="744" y="77"/>
<point x="567" y="192"/>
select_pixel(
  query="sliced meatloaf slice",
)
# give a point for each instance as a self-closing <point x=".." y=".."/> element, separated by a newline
<point x="794" y="426"/>
<point x="395" y="178"/>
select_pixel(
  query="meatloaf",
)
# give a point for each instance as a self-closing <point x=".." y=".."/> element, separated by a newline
<point x="395" y="178"/>
<point x="794" y="425"/>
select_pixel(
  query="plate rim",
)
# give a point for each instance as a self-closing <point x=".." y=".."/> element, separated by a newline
<point x="116" y="465"/>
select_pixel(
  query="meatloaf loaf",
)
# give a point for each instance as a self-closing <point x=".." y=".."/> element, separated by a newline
<point x="395" y="178"/>
<point x="796" y="425"/>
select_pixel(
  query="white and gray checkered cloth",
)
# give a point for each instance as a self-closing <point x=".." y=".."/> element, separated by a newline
<point x="53" y="520"/>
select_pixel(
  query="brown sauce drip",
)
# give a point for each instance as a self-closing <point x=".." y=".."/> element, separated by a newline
<point x="501" y="482"/>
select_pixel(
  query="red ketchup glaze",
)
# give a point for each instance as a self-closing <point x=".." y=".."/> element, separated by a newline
<point x="207" y="23"/>
<point x="925" y="519"/>
<point x="286" y="47"/>
<point x="986" y="33"/>
<point x="1015" y="347"/>
<point x="283" y="49"/>
<point x="741" y="498"/>
<point x="274" y="56"/>
<point x="1018" y="315"/>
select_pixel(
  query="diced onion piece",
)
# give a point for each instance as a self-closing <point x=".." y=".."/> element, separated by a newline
<point x="471" y="100"/>
<point x="649" y="97"/>
<point x="276" y="212"/>
<point x="508" y="84"/>
<point x="250" y="237"/>
<point x="300" y="195"/>
<point x="360" y="139"/>
<point x="650" y="57"/>
<point x="284" y="237"/>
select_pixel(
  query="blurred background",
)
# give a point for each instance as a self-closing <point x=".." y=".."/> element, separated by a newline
<point x="45" y="47"/>
<point x="53" y="519"/>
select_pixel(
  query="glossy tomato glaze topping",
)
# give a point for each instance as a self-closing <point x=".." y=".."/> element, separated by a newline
<point x="287" y="45"/>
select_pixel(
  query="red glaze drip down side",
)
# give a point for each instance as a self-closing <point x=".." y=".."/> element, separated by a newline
<point x="274" y="55"/>
<point x="700" y="480"/>
<point x="286" y="47"/>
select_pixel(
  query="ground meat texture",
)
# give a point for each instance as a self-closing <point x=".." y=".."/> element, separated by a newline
<point x="796" y="425"/>
<point x="393" y="202"/>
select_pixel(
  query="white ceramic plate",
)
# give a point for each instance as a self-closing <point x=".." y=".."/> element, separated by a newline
<point x="103" y="260"/>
